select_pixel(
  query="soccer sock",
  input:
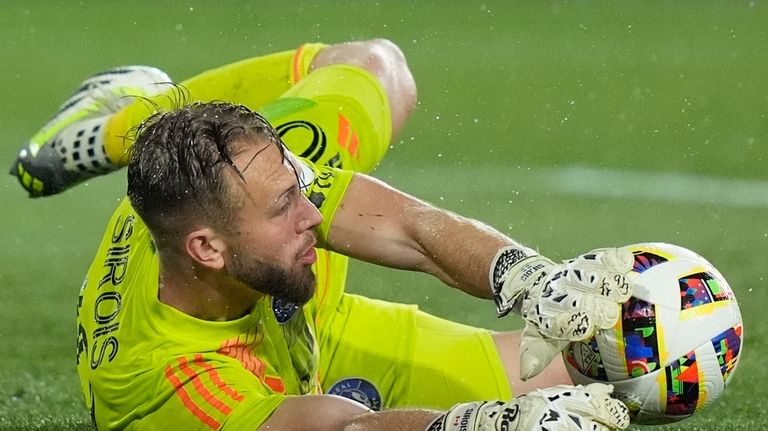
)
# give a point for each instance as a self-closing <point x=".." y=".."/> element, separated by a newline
<point x="81" y="147"/>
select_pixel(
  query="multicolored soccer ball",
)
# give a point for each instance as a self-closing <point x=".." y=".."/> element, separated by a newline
<point x="678" y="340"/>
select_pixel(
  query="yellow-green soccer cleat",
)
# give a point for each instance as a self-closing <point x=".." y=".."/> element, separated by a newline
<point x="70" y="148"/>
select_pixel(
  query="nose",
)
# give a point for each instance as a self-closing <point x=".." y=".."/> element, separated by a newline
<point x="310" y="216"/>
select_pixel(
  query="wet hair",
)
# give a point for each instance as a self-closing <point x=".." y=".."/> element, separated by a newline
<point x="181" y="166"/>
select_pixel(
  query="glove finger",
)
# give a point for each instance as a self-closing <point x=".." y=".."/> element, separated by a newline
<point x="599" y="389"/>
<point x="611" y="412"/>
<point x="560" y="323"/>
<point x="594" y="404"/>
<point x="573" y="325"/>
<point x="604" y="312"/>
<point x="603" y="271"/>
<point x="591" y="280"/>
<point x="611" y="259"/>
<point x="616" y="287"/>
<point x="536" y="352"/>
<point x="612" y="285"/>
<point x="600" y="407"/>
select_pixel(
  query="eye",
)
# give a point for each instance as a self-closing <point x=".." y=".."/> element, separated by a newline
<point x="286" y="200"/>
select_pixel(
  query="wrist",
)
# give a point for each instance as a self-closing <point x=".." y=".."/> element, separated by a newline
<point x="513" y="271"/>
<point x="477" y="416"/>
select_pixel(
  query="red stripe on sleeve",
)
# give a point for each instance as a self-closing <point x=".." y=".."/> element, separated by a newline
<point x="188" y="402"/>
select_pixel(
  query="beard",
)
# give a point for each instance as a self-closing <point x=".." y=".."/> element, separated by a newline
<point x="293" y="286"/>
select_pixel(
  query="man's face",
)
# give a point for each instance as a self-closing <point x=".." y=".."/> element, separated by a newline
<point x="271" y="248"/>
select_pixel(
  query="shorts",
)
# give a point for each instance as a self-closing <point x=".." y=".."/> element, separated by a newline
<point x="388" y="355"/>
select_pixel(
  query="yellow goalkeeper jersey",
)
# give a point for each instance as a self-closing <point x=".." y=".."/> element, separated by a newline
<point x="145" y="365"/>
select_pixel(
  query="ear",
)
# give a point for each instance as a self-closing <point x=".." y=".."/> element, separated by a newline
<point x="206" y="247"/>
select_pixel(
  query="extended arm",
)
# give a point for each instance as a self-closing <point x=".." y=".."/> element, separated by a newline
<point x="575" y="408"/>
<point x="333" y="413"/>
<point x="382" y="225"/>
<point x="560" y="303"/>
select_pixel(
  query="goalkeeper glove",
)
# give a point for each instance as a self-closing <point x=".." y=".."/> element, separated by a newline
<point x="560" y="303"/>
<point x="560" y="408"/>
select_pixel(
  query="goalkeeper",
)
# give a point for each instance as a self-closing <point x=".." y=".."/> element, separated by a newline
<point x="216" y="298"/>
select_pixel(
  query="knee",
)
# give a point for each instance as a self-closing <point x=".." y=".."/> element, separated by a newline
<point x="385" y="61"/>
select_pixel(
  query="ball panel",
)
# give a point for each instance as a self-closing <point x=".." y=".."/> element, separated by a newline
<point x="640" y="337"/>
<point x="699" y="325"/>
<point x="644" y="260"/>
<point x="682" y="384"/>
<point x="586" y="358"/>
<point x="660" y="285"/>
<point x="711" y="383"/>
<point x="727" y="347"/>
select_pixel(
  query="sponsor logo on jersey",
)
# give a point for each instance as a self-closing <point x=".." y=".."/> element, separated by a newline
<point x="360" y="390"/>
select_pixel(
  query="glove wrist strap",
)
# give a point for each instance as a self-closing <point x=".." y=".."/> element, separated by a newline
<point x="478" y="416"/>
<point x="512" y="270"/>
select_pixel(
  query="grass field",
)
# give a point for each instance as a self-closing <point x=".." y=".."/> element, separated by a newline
<point x="568" y="125"/>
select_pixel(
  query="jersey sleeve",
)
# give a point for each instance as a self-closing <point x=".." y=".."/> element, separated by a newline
<point x="207" y="395"/>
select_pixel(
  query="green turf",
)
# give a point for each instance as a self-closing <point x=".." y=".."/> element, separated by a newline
<point x="511" y="93"/>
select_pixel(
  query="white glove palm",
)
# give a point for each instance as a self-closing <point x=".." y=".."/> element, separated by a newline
<point x="561" y="303"/>
<point x="560" y="408"/>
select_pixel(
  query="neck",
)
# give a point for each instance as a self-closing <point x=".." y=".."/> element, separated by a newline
<point x="203" y="293"/>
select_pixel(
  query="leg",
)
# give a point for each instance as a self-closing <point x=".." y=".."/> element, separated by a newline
<point x="87" y="137"/>
<point x="253" y="82"/>
<point x="337" y="116"/>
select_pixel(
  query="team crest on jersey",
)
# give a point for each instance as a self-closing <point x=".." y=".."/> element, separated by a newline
<point x="360" y="390"/>
<point x="283" y="310"/>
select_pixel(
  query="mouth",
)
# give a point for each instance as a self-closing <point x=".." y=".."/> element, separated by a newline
<point x="309" y="256"/>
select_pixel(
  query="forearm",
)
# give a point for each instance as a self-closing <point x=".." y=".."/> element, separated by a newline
<point x="387" y="420"/>
<point x="382" y="225"/>
<point x="456" y="249"/>
<point x="334" y="413"/>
